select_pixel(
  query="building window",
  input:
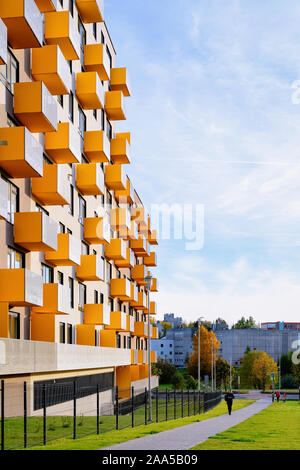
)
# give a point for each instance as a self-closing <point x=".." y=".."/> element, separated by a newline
<point x="41" y="209"/>
<point x="118" y="338"/>
<point x="95" y="113"/>
<point x="60" y="99"/>
<point x="109" y="57"/>
<point x="47" y="274"/>
<point x="96" y="296"/>
<point x="69" y="333"/>
<point x="71" y="205"/>
<point x="62" y="333"/>
<point x="82" y="209"/>
<point x="102" y="38"/>
<point x="10" y="71"/>
<point x="60" y="277"/>
<point x="111" y="302"/>
<point x="71" y="7"/>
<point x="71" y="105"/>
<point x="81" y="294"/>
<point x="85" y="249"/>
<point x="101" y="298"/>
<point x="14" y="325"/>
<point x="108" y="129"/>
<point x="71" y="291"/>
<point x="15" y="259"/>
<point x="82" y="33"/>
<point x="102" y="119"/>
<point x="108" y="271"/>
<point x="13" y="201"/>
<point x="95" y="30"/>
<point x="81" y="122"/>
<point x="129" y="342"/>
<point x="61" y="228"/>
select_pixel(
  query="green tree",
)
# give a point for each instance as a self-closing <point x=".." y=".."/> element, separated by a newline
<point x="222" y="372"/>
<point x="244" y="323"/>
<point x="177" y="380"/>
<point x="286" y="364"/>
<point x="220" y="321"/>
<point x="164" y="369"/>
<point x="191" y="383"/>
<point x="262" y="368"/>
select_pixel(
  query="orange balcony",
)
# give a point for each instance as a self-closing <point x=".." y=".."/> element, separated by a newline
<point x="138" y="273"/>
<point x="96" y="147"/>
<point x="35" y="231"/>
<point x="120" y="288"/>
<point x="115" y="178"/>
<point x="115" y="106"/>
<point x="134" y="373"/>
<point x="125" y="196"/>
<point x="131" y="233"/>
<point x="153" y="355"/>
<point x="141" y="303"/>
<point x="60" y="29"/>
<point x="63" y="146"/>
<point x="153" y="309"/>
<point x="120" y="218"/>
<point x="108" y="338"/>
<point x="139" y="247"/>
<point x="116" y="249"/>
<point x="55" y="300"/>
<point x="43" y="327"/>
<point x="138" y="214"/>
<point x="21" y="287"/>
<point x="46" y="5"/>
<point x="141" y="356"/>
<point x="128" y="262"/>
<point x="85" y="335"/>
<point x="152" y="238"/>
<point x="96" y="231"/>
<point x="91" y="268"/>
<point x="91" y="11"/>
<point x="143" y="371"/>
<point x="68" y="251"/>
<point x="118" y="321"/>
<point x="35" y="107"/>
<point x="3" y="43"/>
<point x="24" y="23"/>
<point x="154" y="335"/>
<point x="120" y="150"/>
<point x="119" y="80"/>
<point x="53" y="188"/>
<point x="22" y="157"/>
<point x="134" y="356"/>
<point x="89" y="90"/>
<point x="154" y="285"/>
<point x="140" y="329"/>
<point x="96" y="60"/>
<point x="90" y="179"/>
<point x="48" y="65"/>
<point x="96" y="314"/>
<point x="151" y="260"/>
<point x="129" y="324"/>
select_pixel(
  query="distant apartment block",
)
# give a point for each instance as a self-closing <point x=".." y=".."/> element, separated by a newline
<point x="180" y="340"/>
<point x="281" y="325"/>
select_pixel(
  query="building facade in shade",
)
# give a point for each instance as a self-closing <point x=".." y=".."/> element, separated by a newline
<point x="76" y="242"/>
<point x="233" y="343"/>
<point x="176" y="346"/>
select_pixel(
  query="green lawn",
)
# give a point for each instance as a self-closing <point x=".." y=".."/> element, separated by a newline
<point x="275" y="428"/>
<point x="94" y="441"/>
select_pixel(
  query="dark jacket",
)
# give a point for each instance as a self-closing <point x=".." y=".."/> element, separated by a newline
<point x="229" y="397"/>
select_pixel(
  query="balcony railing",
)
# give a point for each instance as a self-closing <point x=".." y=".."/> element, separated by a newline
<point x="96" y="147"/>
<point x="119" y="80"/>
<point x="64" y="145"/>
<point x="3" y="43"/>
<point x="96" y="60"/>
<point x="89" y="90"/>
<point x="53" y="187"/>
<point x="35" y="231"/>
<point x="55" y="300"/>
<point x="91" y="268"/>
<point x="96" y="314"/>
<point x="68" y="251"/>
<point x="91" y="11"/>
<point x="21" y="287"/>
<point x="90" y="179"/>
<point x="60" y="29"/>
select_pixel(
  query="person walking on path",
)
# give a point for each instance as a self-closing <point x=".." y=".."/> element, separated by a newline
<point x="278" y="395"/>
<point x="229" y="397"/>
<point x="284" y="397"/>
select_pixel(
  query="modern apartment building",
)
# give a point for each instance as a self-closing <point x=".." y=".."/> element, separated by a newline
<point x="176" y="346"/>
<point x="76" y="243"/>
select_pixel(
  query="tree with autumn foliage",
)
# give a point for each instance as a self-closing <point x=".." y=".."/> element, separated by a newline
<point x="263" y="367"/>
<point x="205" y="352"/>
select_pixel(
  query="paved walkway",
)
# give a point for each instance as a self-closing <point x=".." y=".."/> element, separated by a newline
<point x="183" y="438"/>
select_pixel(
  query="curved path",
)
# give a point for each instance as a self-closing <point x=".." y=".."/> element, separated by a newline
<point x="183" y="438"/>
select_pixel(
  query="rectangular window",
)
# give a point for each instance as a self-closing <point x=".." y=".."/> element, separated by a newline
<point x="85" y="249"/>
<point x="71" y="206"/>
<point x="108" y="129"/>
<point x="95" y="113"/>
<point x="71" y="105"/>
<point x="129" y="342"/>
<point x="109" y="57"/>
<point x="111" y="302"/>
<point x="14" y="325"/>
<point x="108" y="271"/>
<point x="71" y="7"/>
<point x="41" y="209"/>
<point x="82" y="209"/>
<point x="101" y="298"/>
<point x="60" y="100"/>
<point x="118" y="340"/>
<point x="82" y="34"/>
<point x="102" y="38"/>
<point x="12" y="200"/>
<point x="81" y="122"/>
<point x="61" y="228"/>
<point x="10" y="71"/>
<point x="47" y="274"/>
<point x="102" y="119"/>
<point x="81" y="294"/>
<point x="71" y="291"/>
<point x="96" y="296"/>
<point x="60" y="277"/>
<point x="95" y="30"/>
<point x="62" y="333"/>
<point x="69" y="333"/>
<point x="15" y="259"/>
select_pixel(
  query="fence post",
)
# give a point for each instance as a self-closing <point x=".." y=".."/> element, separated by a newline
<point x="166" y="404"/>
<point x="174" y="403"/>
<point x="25" y="415"/>
<point x="2" y="415"/>
<point x="182" y="403"/>
<point x="44" y="414"/>
<point x="199" y="402"/>
<point x="74" y="411"/>
<point x="117" y="407"/>
<point x="188" y="402"/>
<point x="194" y="402"/>
<point x="132" y="407"/>
<point x="98" y="411"/>
<point x="156" y="399"/>
<point x="146" y="397"/>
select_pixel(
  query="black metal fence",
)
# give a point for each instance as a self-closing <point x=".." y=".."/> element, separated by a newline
<point x="87" y="410"/>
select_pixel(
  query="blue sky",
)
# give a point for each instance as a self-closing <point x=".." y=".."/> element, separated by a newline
<point x="214" y="122"/>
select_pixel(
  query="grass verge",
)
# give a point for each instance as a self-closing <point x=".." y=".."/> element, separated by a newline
<point x="94" y="442"/>
<point x="275" y="428"/>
